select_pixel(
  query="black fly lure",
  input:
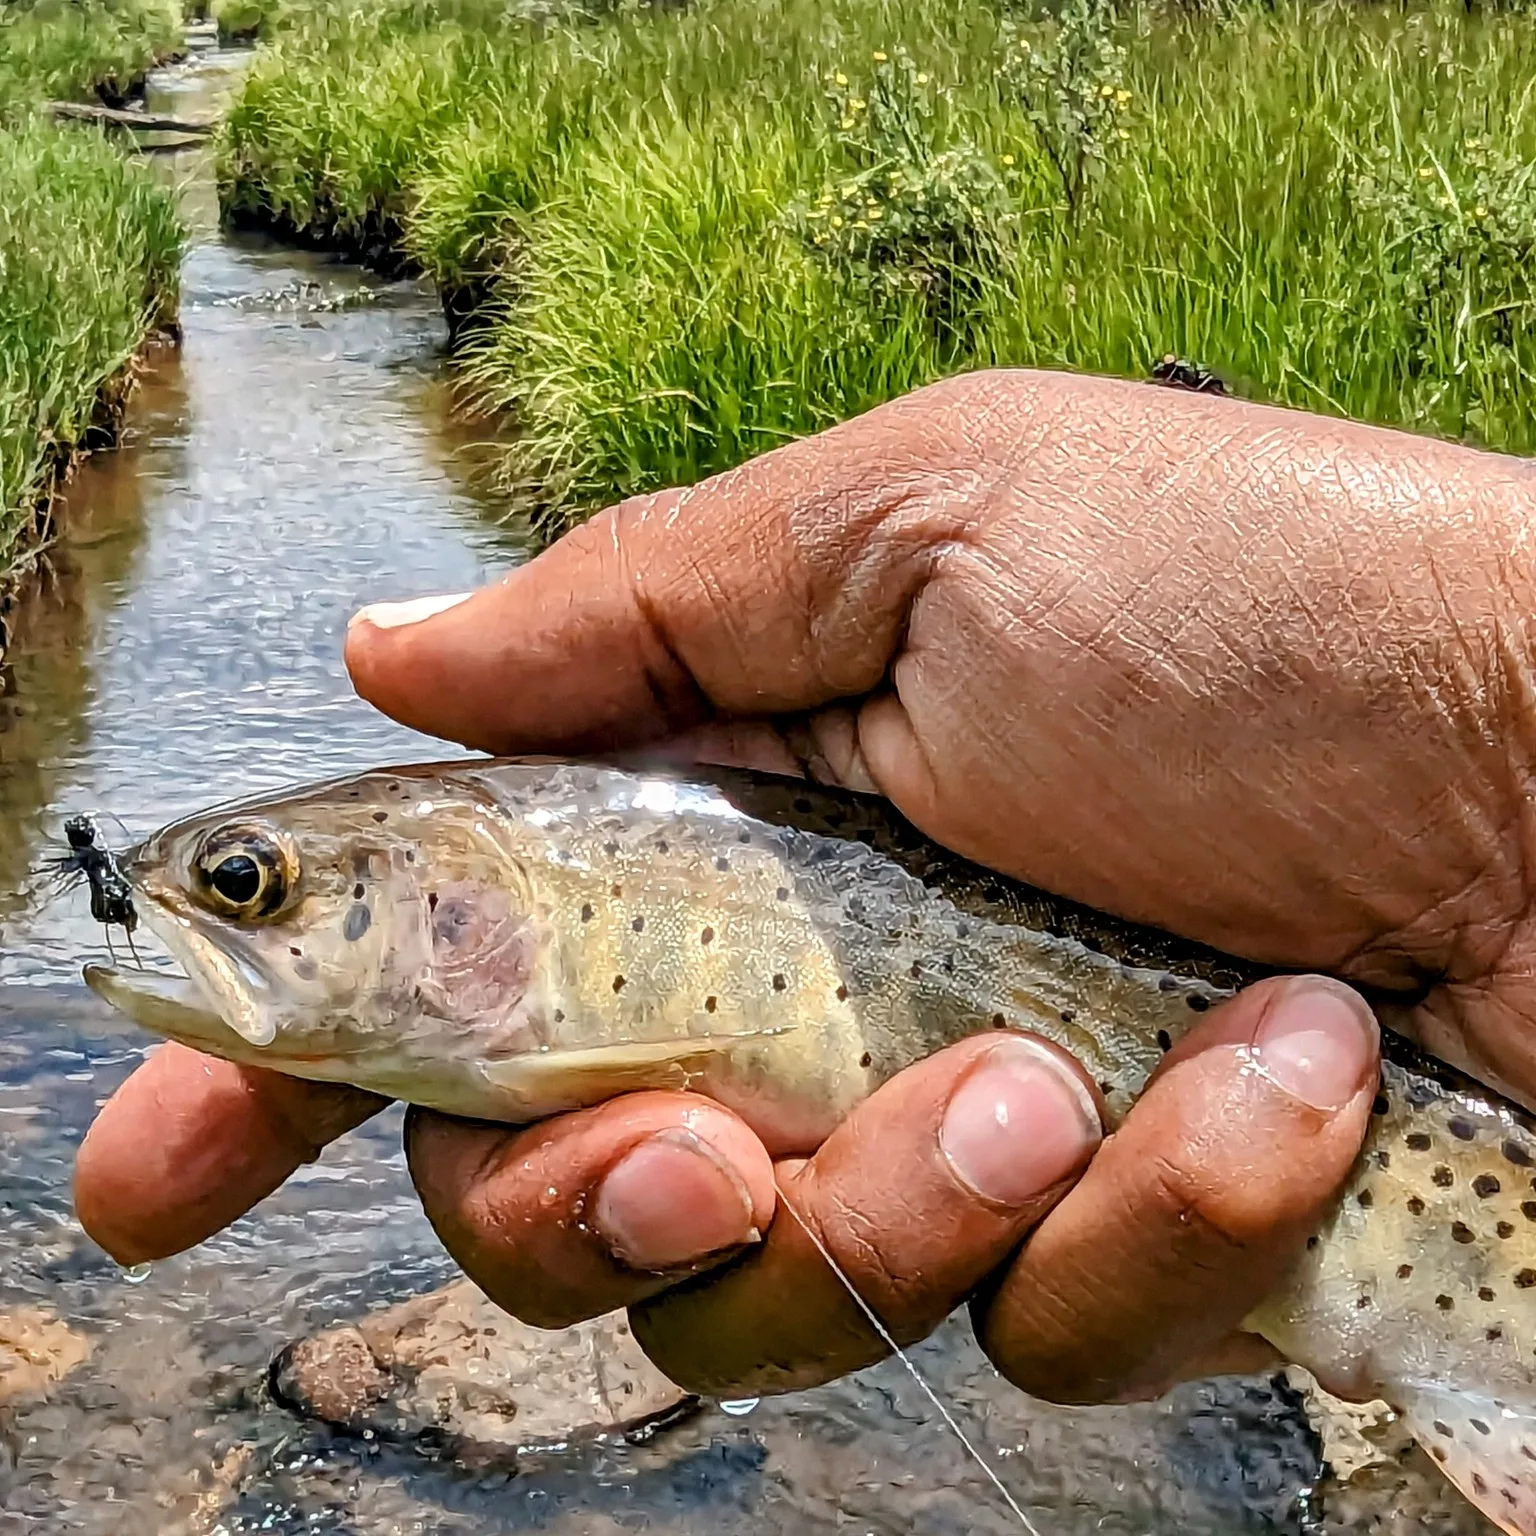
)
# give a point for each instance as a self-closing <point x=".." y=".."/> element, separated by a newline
<point x="111" y="894"/>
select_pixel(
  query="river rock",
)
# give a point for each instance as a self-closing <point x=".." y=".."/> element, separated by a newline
<point x="451" y="1367"/>
<point x="37" y="1349"/>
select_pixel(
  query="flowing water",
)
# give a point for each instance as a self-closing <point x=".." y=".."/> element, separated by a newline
<point x="294" y="459"/>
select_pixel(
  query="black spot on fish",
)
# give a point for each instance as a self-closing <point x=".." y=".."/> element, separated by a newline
<point x="381" y="816"/>
<point x="1382" y="1157"/>
<point x="1362" y="1303"/>
<point x="1198" y="1001"/>
<point x="1445" y="1304"/>
<point x="1516" y="1154"/>
<point x="1417" y="1141"/>
<point x="1462" y="1130"/>
<point x="638" y="926"/>
<point x="1528" y="1209"/>
<point x="1493" y="1335"/>
<point x="1415" y="1206"/>
<point x="1462" y="1232"/>
<point x="1404" y="1271"/>
<point x="782" y="894"/>
<point x="707" y="937"/>
<point x="358" y="891"/>
<point x="357" y="923"/>
<point x="1525" y="1279"/>
<point x="722" y="864"/>
<point x="1505" y="1229"/>
<point x="915" y="971"/>
<point x="1312" y="1242"/>
<point x="410" y="855"/>
<point x="1485" y="1184"/>
<point x="710" y="1004"/>
<point x="1365" y="1199"/>
<point x="998" y="1021"/>
<point x="586" y="911"/>
<point x="1164" y="1040"/>
<point x="1067" y="1015"/>
<point x="611" y="849"/>
<point x="431" y="901"/>
<point x="1484" y="1293"/>
<point x="842" y="994"/>
<point x="1442" y="1176"/>
<point x="1380" y="1104"/>
<point x="559" y="1016"/>
<point x="1479" y="1484"/>
<point x="779" y="982"/>
<point x="661" y="845"/>
<point x="618" y="983"/>
<point x="865" y="1059"/>
<point x="615" y="890"/>
<point x="1443" y="1429"/>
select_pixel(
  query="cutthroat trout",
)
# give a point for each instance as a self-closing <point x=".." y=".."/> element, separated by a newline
<point x="508" y="939"/>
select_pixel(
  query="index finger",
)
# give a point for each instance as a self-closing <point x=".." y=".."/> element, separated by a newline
<point x="190" y="1143"/>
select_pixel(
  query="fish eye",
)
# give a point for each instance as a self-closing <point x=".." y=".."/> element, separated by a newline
<point x="245" y="872"/>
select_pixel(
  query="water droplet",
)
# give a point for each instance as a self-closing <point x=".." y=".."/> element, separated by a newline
<point x="739" y="1407"/>
<point x="136" y="1274"/>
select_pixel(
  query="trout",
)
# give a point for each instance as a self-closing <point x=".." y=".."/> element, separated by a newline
<point x="507" y="939"/>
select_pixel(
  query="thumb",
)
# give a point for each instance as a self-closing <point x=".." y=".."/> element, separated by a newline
<point x="772" y="589"/>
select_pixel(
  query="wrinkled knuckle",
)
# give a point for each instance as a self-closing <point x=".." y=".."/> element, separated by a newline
<point x="1212" y="1214"/>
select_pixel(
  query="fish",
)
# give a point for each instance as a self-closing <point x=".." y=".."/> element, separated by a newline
<point x="506" y="939"/>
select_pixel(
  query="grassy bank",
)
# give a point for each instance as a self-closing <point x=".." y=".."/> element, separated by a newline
<point x="683" y="237"/>
<point x="89" y="245"/>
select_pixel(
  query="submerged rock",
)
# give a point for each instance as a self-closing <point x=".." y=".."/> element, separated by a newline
<point x="37" y="1349"/>
<point x="451" y="1369"/>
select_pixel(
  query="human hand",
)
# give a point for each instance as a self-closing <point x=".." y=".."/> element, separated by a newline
<point x="1209" y="666"/>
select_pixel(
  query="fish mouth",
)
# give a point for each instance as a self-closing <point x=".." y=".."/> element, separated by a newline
<point x="164" y="1003"/>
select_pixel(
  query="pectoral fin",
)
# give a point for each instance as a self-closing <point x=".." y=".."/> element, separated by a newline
<point x="552" y="1082"/>
<point x="1485" y="1446"/>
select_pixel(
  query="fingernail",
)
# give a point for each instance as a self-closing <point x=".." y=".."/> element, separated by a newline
<point x="1019" y="1122"/>
<point x="1318" y="1042"/>
<point x="672" y="1201"/>
<point x="412" y="611"/>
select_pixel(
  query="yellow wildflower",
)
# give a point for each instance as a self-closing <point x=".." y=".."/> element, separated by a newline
<point x="1122" y="97"/>
<point x="840" y="78"/>
<point x="1125" y="133"/>
<point x="1106" y="91"/>
<point x="847" y="122"/>
<point x="1426" y="172"/>
<point x="860" y="224"/>
<point x="876" y="214"/>
<point x="879" y="57"/>
<point x="1007" y="159"/>
<point x="922" y="79"/>
<point x="1482" y="212"/>
<point x="857" y="104"/>
<point x="837" y="221"/>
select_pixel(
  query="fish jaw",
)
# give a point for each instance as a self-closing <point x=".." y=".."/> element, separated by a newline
<point x="173" y="1007"/>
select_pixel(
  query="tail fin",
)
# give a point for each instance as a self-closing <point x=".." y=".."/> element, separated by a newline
<point x="1484" y="1445"/>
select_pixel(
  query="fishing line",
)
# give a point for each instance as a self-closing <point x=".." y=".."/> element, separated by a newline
<point x="912" y="1370"/>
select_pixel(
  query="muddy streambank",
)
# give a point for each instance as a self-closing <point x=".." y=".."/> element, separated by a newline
<point x="292" y="460"/>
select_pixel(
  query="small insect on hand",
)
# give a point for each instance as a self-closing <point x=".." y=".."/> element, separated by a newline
<point x="111" y="893"/>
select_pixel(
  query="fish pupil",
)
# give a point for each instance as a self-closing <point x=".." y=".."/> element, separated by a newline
<point x="237" y="879"/>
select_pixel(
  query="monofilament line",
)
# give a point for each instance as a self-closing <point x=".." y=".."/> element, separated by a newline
<point x="912" y="1370"/>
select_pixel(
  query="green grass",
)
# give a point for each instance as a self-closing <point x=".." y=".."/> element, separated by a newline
<point x="89" y="249"/>
<point x="65" y="49"/>
<point x="653" y="219"/>
<point x="89" y="243"/>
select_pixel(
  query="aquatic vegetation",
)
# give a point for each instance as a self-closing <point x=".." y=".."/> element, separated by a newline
<point x="669" y="239"/>
<point x="53" y="49"/>
<point x="89" y="251"/>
